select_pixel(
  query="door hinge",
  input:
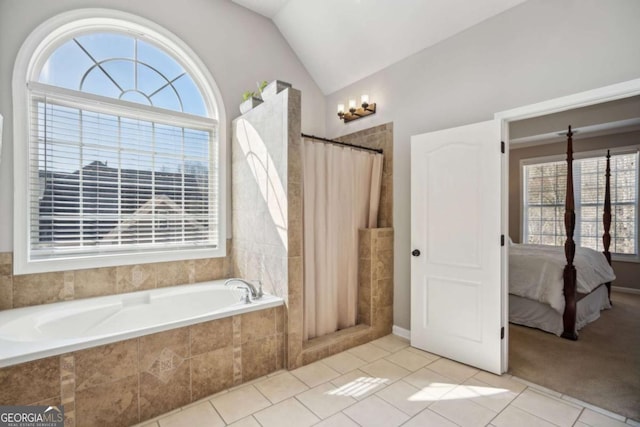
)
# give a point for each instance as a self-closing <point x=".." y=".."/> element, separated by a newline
<point x="502" y="333"/>
<point x="502" y="146"/>
<point x="502" y="240"/>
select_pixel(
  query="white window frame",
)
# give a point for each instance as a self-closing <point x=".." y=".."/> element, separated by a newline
<point x="36" y="49"/>
<point x="576" y="184"/>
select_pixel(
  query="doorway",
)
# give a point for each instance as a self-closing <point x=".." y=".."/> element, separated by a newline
<point x="502" y="120"/>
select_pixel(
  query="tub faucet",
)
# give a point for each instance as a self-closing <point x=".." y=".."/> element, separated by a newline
<point x="255" y="293"/>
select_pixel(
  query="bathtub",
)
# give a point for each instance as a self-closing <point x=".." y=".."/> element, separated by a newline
<point x="32" y="333"/>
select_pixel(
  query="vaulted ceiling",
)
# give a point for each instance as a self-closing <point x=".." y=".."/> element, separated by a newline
<point x="343" y="41"/>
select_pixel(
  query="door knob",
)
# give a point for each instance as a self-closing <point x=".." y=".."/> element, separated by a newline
<point x="415" y="252"/>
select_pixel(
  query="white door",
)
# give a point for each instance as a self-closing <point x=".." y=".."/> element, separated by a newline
<point x="456" y="236"/>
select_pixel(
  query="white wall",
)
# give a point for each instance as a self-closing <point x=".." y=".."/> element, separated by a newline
<point x="238" y="46"/>
<point x="539" y="50"/>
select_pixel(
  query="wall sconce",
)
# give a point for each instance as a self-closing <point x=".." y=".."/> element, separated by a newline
<point x="355" y="112"/>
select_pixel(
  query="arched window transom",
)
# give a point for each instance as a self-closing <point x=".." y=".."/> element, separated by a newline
<point x="123" y="67"/>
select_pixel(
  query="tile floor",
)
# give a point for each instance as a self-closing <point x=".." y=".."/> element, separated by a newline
<point x="387" y="383"/>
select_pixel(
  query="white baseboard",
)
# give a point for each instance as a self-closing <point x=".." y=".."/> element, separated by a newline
<point x="401" y="332"/>
<point x="621" y="289"/>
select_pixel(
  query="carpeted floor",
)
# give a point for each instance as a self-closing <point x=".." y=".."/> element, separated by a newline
<point x="601" y="368"/>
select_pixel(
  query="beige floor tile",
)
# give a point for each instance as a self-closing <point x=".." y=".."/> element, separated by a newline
<point x="338" y="420"/>
<point x="245" y="422"/>
<point x="431" y="384"/>
<point x="287" y="413"/>
<point x="384" y="369"/>
<point x="454" y="370"/>
<point x="358" y="384"/>
<point x="405" y="397"/>
<point x="374" y="412"/>
<point x="201" y="414"/>
<point x="594" y="408"/>
<point x="501" y="381"/>
<point x="239" y="403"/>
<point x="513" y="416"/>
<point x="385" y="383"/>
<point x="325" y="400"/>
<point x="547" y="407"/>
<point x="595" y="419"/>
<point x="463" y="412"/>
<point x="315" y="374"/>
<point x="411" y="360"/>
<point x="538" y="387"/>
<point x="430" y="419"/>
<point x="344" y="362"/>
<point x="369" y="352"/>
<point x="391" y="343"/>
<point x="423" y="353"/>
<point x="281" y="387"/>
<point x="494" y="398"/>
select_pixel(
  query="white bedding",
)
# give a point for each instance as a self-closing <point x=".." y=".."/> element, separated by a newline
<point x="536" y="272"/>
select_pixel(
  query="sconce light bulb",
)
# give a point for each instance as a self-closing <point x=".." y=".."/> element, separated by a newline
<point x="352" y="105"/>
<point x="364" y="99"/>
<point x="340" y="108"/>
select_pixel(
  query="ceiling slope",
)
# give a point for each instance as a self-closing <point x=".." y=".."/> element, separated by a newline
<point x="343" y="41"/>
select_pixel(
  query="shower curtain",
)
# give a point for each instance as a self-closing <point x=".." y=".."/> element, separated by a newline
<point x="341" y="193"/>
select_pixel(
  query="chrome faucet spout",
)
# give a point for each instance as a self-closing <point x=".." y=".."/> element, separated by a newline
<point x="256" y="293"/>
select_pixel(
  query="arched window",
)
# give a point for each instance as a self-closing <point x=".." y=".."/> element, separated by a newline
<point x="122" y="160"/>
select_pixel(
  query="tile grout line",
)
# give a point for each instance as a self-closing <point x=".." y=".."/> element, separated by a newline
<point x="533" y="389"/>
<point x="578" y="419"/>
<point x="507" y="405"/>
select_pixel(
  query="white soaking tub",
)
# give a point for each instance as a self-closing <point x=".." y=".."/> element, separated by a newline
<point x="46" y="330"/>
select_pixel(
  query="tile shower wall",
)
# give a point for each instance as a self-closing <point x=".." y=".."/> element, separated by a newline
<point x="380" y="137"/>
<point x="267" y="223"/>
<point x="43" y="288"/>
<point x="375" y="263"/>
<point x="130" y="381"/>
<point x="267" y="205"/>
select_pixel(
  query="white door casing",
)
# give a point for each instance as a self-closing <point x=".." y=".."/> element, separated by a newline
<point x="456" y="213"/>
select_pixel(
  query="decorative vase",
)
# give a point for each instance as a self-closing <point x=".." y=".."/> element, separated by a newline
<point x="249" y="104"/>
<point x="274" y="88"/>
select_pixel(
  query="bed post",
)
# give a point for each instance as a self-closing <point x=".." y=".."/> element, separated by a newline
<point x="606" y="217"/>
<point x="569" y="315"/>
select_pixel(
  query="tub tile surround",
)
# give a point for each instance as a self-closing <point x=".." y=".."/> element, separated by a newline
<point x="133" y="380"/>
<point x="43" y="288"/>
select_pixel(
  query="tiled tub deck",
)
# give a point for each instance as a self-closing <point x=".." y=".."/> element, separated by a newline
<point x="130" y="381"/>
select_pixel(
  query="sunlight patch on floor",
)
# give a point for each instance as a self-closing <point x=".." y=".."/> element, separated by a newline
<point x="359" y="387"/>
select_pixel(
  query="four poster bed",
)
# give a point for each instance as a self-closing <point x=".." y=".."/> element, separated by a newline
<point x="545" y="289"/>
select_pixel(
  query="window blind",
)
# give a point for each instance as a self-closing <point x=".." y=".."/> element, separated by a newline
<point x="544" y="194"/>
<point x="103" y="181"/>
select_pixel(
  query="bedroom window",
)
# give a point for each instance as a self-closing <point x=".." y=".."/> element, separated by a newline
<point x="123" y="162"/>
<point x="544" y="193"/>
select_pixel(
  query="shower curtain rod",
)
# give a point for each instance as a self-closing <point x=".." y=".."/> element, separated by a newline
<point x="331" y="141"/>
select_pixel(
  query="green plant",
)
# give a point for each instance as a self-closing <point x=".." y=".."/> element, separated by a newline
<point x="248" y="94"/>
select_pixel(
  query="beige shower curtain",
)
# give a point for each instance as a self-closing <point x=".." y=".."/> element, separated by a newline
<point x="341" y="194"/>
